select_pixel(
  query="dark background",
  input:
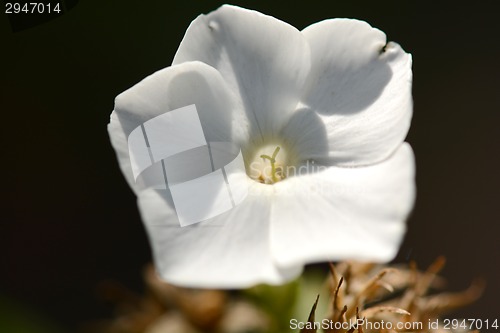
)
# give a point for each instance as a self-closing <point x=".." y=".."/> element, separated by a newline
<point x="69" y="220"/>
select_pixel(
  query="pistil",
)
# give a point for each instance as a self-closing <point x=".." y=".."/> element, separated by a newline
<point x="272" y="159"/>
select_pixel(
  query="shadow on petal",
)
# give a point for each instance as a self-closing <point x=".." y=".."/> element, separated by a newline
<point x="305" y="132"/>
<point x="215" y="107"/>
<point x="347" y="89"/>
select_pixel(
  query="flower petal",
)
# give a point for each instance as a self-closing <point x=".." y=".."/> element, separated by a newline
<point x="263" y="59"/>
<point x="306" y="134"/>
<point x="228" y="251"/>
<point x="169" y="89"/>
<point x="343" y="213"/>
<point x="361" y="87"/>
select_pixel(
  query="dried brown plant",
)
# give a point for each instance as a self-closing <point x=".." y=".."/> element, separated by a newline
<point x="357" y="291"/>
<point x="397" y="295"/>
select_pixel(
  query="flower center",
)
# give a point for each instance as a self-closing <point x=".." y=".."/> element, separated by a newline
<point x="269" y="164"/>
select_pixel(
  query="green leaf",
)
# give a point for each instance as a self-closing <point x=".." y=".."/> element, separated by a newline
<point x="15" y="318"/>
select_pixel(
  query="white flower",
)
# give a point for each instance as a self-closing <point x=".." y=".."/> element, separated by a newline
<point x="336" y="100"/>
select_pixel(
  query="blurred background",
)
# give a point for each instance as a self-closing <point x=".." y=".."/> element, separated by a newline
<point x="69" y="220"/>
